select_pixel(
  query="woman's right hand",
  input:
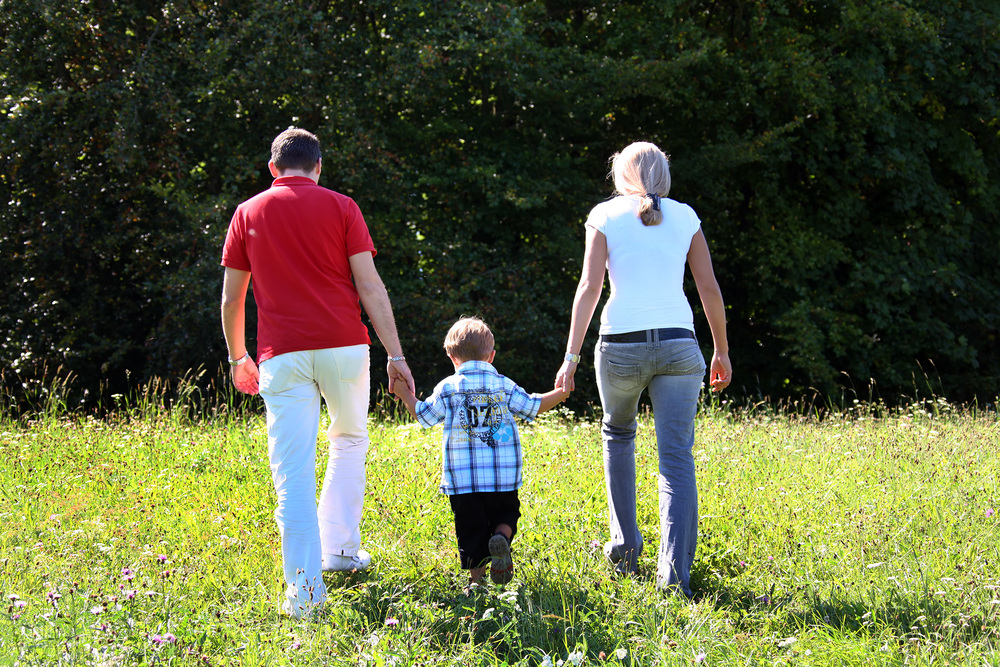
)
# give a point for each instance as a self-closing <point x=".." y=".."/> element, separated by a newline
<point x="721" y="373"/>
<point x="564" y="378"/>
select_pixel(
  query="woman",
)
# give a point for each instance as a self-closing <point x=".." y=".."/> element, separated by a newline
<point x="647" y="342"/>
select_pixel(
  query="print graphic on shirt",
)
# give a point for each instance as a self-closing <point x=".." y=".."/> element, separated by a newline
<point x="482" y="414"/>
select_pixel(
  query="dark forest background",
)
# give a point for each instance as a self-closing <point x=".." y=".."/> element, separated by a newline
<point x="844" y="158"/>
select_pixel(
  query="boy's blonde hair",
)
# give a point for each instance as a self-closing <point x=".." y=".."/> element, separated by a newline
<point x="469" y="339"/>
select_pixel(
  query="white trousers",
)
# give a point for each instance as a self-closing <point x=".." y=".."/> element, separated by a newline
<point x="292" y="386"/>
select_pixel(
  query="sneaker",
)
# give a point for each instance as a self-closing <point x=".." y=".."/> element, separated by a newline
<point x="502" y="565"/>
<point x="357" y="563"/>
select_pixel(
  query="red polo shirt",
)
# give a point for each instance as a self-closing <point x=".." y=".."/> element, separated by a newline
<point x="295" y="240"/>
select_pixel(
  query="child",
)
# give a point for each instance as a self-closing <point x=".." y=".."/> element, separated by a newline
<point x="481" y="466"/>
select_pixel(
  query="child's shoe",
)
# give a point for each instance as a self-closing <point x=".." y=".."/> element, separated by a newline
<point x="502" y="565"/>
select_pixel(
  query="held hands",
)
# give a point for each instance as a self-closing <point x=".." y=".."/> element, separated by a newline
<point x="564" y="378"/>
<point x="246" y="377"/>
<point x="399" y="371"/>
<point x="721" y="374"/>
<point x="401" y="390"/>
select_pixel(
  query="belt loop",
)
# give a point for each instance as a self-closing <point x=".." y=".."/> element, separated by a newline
<point x="652" y="337"/>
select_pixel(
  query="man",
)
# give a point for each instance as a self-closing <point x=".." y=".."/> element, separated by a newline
<point x="311" y="258"/>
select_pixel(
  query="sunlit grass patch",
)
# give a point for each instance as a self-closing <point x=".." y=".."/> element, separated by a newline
<point x="852" y="539"/>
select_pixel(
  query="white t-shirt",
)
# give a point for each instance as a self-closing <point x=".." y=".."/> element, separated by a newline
<point x="645" y="265"/>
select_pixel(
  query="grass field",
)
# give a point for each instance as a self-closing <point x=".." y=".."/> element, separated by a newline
<point x="848" y="540"/>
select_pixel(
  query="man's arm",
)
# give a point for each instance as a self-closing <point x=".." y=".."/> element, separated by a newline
<point x="234" y="295"/>
<point x="375" y="300"/>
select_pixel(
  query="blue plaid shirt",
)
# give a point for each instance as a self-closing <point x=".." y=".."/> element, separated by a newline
<point x="481" y="449"/>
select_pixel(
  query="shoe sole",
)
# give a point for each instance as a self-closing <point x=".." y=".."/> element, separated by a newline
<point x="502" y="565"/>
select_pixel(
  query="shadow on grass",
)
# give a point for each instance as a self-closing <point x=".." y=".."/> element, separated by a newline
<point x="912" y="617"/>
<point x="883" y="614"/>
<point x="536" y="615"/>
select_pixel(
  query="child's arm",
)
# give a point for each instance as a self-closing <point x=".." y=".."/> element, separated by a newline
<point x="403" y="393"/>
<point x="551" y="399"/>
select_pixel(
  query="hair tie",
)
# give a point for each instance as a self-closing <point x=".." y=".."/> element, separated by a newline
<point x="656" y="200"/>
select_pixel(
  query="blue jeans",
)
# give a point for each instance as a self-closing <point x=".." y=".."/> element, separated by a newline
<point x="673" y="372"/>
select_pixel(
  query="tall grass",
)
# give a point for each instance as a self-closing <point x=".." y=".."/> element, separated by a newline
<point x="867" y="537"/>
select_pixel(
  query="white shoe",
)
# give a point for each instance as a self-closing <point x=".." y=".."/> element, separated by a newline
<point x="301" y="611"/>
<point x="358" y="563"/>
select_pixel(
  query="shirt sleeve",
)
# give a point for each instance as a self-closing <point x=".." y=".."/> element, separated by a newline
<point x="523" y="404"/>
<point x="694" y="222"/>
<point x="234" y="251"/>
<point x="433" y="409"/>
<point x="357" y="237"/>
<point x="598" y="219"/>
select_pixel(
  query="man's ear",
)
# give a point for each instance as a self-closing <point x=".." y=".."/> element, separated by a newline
<point x="274" y="170"/>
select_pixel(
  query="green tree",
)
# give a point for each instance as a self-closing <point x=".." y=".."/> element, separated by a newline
<point x="842" y="158"/>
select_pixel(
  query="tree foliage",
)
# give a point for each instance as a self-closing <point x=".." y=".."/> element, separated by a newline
<point x="842" y="156"/>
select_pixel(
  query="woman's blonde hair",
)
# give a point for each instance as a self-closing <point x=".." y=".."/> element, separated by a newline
<point x="643" y="169"/>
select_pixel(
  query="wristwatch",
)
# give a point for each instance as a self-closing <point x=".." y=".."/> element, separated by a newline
<point x="573" y="358"/>
<point x="239" y="362"/>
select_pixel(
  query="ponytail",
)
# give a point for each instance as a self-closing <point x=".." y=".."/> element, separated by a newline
<point x="643" y="170"/>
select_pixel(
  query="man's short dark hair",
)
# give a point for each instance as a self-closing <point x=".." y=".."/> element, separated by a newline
<point x="295" y="149"/>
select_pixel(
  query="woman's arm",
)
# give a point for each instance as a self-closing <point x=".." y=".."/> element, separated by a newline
<point x="700" y="261"/>
<point x="588" y="293"/>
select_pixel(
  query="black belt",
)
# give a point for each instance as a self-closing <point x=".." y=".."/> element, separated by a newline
<point x="650" y="334"/>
